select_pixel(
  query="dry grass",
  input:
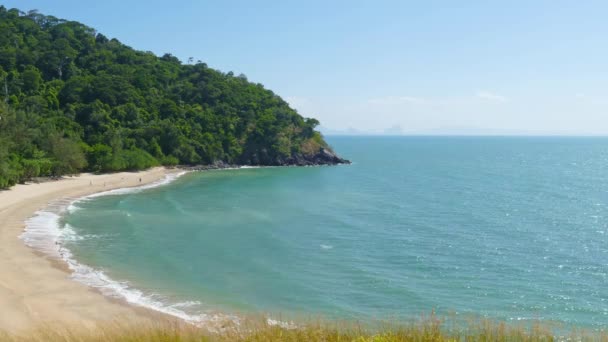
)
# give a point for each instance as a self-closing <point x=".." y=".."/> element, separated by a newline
<point x="430" y="329"/>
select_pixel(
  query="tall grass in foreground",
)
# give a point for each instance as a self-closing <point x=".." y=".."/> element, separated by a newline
<point x="431" y="329"/>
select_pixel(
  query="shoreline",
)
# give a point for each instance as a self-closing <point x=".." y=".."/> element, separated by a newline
<point x="41" y="283"/>
<point x="36" y="288"/>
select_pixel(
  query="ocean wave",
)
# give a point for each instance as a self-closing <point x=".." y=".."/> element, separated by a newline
<point x="69" y="234"/>
<point x="46" y="233"/>
<point x="98" y="279"/>
<point x="72" y="207"/>
<point x="42" y="232"/>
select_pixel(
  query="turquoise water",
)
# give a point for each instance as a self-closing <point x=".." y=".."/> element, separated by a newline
<point x="508" y="228"/>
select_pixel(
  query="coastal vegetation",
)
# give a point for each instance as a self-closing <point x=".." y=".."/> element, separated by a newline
<point x="430" y="329"/>
<point x="72" y="99"/>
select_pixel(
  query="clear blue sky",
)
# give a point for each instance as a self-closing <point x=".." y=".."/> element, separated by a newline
<point x="495" y="67"/>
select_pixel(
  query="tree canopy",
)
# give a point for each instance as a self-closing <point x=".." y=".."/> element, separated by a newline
<point x="72" y="99"/>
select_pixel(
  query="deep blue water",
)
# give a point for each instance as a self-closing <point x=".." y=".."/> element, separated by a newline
<point x="508" y="228"/>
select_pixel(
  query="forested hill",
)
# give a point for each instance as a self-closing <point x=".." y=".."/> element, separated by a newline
<point x="74" y="100"/>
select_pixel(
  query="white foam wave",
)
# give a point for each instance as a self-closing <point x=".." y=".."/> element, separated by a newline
<point x="42" y="232"/>
<point x="326" y="246"/>
<point x="69" y="234"/>
<point x="186" y="304"/>
<point x="72" y="208"/>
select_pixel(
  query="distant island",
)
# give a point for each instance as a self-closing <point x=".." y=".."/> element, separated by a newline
<point x="73" y="100"/>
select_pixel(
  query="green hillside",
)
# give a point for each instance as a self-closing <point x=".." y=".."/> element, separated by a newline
<point x="74" y="100"/>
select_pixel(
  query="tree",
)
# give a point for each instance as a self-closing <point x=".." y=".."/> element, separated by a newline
<point x="32" y="78"/>
<point x="4" y="80"/>
<point x="68" y="155"/>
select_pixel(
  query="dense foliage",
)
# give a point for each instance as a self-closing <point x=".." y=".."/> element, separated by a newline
<point x="72" y="99"/>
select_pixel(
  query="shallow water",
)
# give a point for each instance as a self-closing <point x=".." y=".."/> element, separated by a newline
<point x="508" y="228"/>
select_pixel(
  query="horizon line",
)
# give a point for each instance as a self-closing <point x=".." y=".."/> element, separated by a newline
<point x="605" y="135"/>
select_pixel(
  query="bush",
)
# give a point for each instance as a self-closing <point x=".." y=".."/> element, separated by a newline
<point x="10" y="171"/>
<point x="99" y="157"/>
<point x="36" y="168"/>
<point x="137" y="159"/>
<point x="169" y="161"/>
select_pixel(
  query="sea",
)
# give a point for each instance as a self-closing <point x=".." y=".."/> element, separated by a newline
<point x="511" y="229"/>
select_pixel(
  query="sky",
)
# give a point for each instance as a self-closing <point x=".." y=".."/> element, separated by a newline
<point x="388" y="67"/>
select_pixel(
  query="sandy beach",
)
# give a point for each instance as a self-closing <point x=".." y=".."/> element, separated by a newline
<point x="35" y="289"/>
